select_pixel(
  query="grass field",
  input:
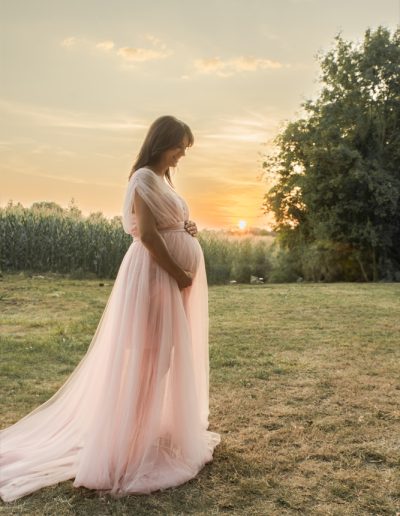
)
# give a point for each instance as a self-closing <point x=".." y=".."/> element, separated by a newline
<point x="304" y="390"/>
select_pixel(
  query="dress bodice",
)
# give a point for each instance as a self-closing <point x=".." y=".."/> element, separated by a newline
<point x="166" y="205"/>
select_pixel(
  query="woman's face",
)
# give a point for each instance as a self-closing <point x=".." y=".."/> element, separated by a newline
<point x="173" y="155"/>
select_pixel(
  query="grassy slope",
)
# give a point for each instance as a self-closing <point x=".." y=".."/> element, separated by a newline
<point x="304" y="391"/>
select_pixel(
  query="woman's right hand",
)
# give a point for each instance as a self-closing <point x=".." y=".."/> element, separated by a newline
<point x="184" y="280"/>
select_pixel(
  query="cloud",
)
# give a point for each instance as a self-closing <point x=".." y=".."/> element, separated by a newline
<point x="127" y="53"/>
<point x="238" y="135"/>
<point x="255" y="127"/>
<point x="35" y="173"/>
<point x="253" y="63"/>
<point x="225" y="68"/>
<point x="145" y="54"/>
<point x="68" y="42"/>
<point x="105" y="45"/>
<point x="159" y="50"/>
<point x="53" y="149"/>
<point x="72" y="119"/>
<point x="141" y="54"/>
<point x="225" y="183"/>
<point x="156" y="42"/>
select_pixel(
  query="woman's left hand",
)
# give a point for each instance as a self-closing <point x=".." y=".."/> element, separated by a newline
<point x="191" y="227"/>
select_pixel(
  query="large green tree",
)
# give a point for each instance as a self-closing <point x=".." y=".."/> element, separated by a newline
<point x="337" y="169"/>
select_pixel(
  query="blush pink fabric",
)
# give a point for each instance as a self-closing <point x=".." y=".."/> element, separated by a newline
<point x="133" y="415"/>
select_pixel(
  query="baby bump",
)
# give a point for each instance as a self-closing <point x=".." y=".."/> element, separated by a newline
<point x="184" y="248"/>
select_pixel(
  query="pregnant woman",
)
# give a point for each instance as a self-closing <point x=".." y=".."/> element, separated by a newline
<point x="133" y="415"/>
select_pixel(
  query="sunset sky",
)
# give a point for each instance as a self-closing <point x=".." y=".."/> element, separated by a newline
<point x="81" y="81"/>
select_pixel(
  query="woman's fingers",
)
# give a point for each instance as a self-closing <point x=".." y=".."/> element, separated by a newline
<point x="191" y="227"/>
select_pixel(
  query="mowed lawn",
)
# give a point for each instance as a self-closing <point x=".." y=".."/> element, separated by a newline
<point x="304" y="390"/>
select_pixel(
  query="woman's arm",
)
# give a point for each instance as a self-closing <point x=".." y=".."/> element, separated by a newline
<point x="153" y="241"/>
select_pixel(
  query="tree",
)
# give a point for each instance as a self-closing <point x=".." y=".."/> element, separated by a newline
<point x="338" y="167"/>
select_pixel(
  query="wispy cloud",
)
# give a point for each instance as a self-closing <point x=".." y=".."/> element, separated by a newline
<point x="62" y="118"/>
<point x="256" y="127"/>
<point x="159" y="50"/>
<point x="4" y="144"/>
<point x="105" y="45"/>
<point x="237" y="135"/>
<point x="36" y="173"/>
<point x="141" y="54"/>
<point x="128" y="54"/>
<point x="156" y="41"/>
<point x="53" y="149"/>
<point x="241" y="180"/>
<point x="228" y="67"/>
<point x="69" y="42"/>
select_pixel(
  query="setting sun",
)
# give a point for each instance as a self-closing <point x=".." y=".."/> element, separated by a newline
<point x="242" y="224"/>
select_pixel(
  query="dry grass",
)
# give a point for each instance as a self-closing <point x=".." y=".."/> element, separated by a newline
<point x="305" y="392"/>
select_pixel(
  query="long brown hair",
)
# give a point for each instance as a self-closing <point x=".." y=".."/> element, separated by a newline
<point x="164" y="133"/>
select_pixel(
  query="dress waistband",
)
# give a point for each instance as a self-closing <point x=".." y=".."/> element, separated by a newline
<point x="179" y="226"/>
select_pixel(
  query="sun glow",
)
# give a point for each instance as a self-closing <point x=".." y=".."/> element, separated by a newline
<point x="242" y="224"/>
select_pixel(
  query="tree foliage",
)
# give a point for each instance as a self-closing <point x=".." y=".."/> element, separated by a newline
<point x="337" y="195"/>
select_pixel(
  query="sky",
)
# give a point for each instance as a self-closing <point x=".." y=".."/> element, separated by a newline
<point x="82" y="81"/>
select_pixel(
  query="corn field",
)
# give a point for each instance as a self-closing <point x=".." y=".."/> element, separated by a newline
<point x="48" y="238"/>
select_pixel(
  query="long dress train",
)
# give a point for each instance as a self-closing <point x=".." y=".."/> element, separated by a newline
<point x="133" y="415"/>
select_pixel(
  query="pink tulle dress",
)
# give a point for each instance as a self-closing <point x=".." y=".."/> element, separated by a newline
<point x="133" y="415"/>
